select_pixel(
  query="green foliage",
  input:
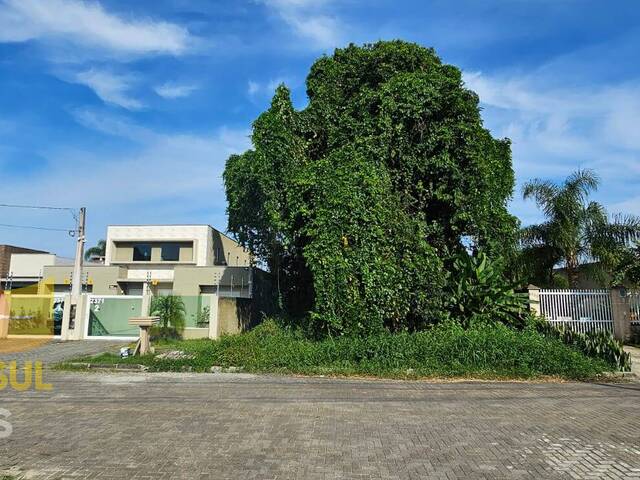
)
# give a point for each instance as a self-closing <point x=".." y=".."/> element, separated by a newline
<point x="576" y="231"/>
<point x="356" y="201"/>
<point x="480" y="293"/>
<point x="171" y="311"/>
<point x="202" y="317"/>
<point x="627" y="268"/>
<point x="97" y="251"/>
<point x="447" y="350"/>
<point x="599" y="345"/>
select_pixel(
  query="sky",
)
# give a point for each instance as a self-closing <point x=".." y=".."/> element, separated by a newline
<point x="131" y="109"/>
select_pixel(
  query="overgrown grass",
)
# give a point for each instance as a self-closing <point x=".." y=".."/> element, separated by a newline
<point x="492" y="351"/>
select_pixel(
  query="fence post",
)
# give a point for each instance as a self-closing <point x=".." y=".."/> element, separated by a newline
<point x="620" y="312"/>
<point x="534" y="300"/>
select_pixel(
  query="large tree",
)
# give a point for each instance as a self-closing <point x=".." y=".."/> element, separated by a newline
<point x="357" y="202"/>
<point x="577" y="232"/>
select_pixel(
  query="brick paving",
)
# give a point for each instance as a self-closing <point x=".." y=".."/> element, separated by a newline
<point x="228" y="426"/>
<point x="52" y="351"/>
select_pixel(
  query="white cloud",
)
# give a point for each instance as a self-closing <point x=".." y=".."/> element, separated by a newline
<point x="172" y="90"/>
<point x="309" y="20"/>
<point x="556" y="130"/>
<point x="110" y="87"/>
<point x="88" y="24"/>
<point x="268" y="88"/>
<point x="163" y="178"/>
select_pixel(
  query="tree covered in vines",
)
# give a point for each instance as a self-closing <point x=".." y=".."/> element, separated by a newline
<point x="357" y="202"/>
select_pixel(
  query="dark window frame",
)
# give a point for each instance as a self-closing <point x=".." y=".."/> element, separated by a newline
<point x="173" y="258"/>
<point x="142" y="257"/>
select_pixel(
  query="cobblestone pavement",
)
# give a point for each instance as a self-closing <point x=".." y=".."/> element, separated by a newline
<point x="224" y="426"/>
<point x="51" y="351"/>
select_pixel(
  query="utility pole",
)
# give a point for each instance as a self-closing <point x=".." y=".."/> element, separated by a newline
<point x="71" y="325"/>
<point x="76" y="280"/>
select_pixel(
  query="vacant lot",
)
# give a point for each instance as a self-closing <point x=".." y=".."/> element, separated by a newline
<point x="96" y="425"/>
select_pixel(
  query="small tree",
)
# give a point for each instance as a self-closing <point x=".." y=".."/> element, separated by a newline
<point x="171" y="311"/>
<point x="99" y="250"/>
<point x="576" y="230"/>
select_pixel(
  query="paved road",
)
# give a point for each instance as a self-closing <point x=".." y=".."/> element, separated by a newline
<point x="52" y="351"/>
<point x="227" y="426"/>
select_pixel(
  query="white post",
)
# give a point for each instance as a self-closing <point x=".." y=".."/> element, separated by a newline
<point x="64" y="332"/>
<point x="146" y="299"/>
<point x="534" y="300"/>
<point x="213" y="317"/>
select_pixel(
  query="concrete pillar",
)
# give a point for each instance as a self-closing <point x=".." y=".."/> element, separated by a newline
<point x="5" y="310"/>
<point x="145" y="344"/>
<point x="82" y="314"/>
<point x="534" y="300"/>
<point x="213" y="317"/>
<point x="146" y="300"/>
<point x="620" y="310"/>
<point x="66" y="316"/>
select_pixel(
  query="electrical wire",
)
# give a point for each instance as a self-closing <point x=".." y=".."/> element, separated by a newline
<point x="43" y="207"/>
<point x="38" y="207"/>
<point x="37" y="228"/>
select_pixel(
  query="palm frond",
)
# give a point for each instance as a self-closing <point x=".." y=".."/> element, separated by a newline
<point x="543" y="192"/>
<point x="581" y="183"/>
<point x="532" y="235"/>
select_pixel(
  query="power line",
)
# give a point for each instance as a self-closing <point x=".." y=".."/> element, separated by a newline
<point x="38" y="207"/>
<point x="31" y="227"/>
<point x="42" y="207"/>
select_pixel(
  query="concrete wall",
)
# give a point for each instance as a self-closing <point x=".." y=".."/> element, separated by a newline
<point x="30" y="264"/>
<point x="122" y="252"/>
<point x="5" y="256"/>
<point x="234" y="315"/>
<point x="200" y="235"/>
<point x="101" y="277"/>
<point x="228" y="251"/>
<point x="188" y="280"/>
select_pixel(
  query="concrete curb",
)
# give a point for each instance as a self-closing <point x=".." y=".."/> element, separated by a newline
<point x="110" y="366"/>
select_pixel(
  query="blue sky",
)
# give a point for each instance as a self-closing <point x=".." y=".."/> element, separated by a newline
<point x="131" y="108"/>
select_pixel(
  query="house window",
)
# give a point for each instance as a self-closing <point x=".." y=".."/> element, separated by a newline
<point x="142" y="252"/>
<point x="170" y="252"/>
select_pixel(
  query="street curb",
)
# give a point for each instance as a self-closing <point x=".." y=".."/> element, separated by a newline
<point x="109" y="366"/>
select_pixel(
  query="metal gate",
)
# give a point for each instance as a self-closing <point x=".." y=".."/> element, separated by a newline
<point x="108" y="316"/>
<point x="579" y="310"/>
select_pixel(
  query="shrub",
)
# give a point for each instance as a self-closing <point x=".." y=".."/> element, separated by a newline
<point x="159" y="332"/>
<point x="601" y="345"/>
<point x="487" y="351"/>
<point x="480" y="292"/>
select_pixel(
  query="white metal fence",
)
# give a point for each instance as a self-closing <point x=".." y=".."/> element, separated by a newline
<point x="579" y="310"/>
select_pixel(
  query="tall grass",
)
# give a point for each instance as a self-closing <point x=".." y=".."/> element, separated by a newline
<point x="487" y="351"/>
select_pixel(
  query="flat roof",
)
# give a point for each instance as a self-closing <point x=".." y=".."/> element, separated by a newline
<point x="30" y="250"/>
<point x="171" y="225"/>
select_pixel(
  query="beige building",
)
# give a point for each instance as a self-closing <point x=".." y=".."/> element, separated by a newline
<point x="211" y="272"/>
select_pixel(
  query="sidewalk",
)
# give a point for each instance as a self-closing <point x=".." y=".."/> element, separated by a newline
<point x="50" y="351"/>
<point x="635" y="359"/>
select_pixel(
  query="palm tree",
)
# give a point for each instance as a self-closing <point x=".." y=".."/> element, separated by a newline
<point x="171" y="311"/>
<point x="576" y="231"/>
<point x="98" y="251"/>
